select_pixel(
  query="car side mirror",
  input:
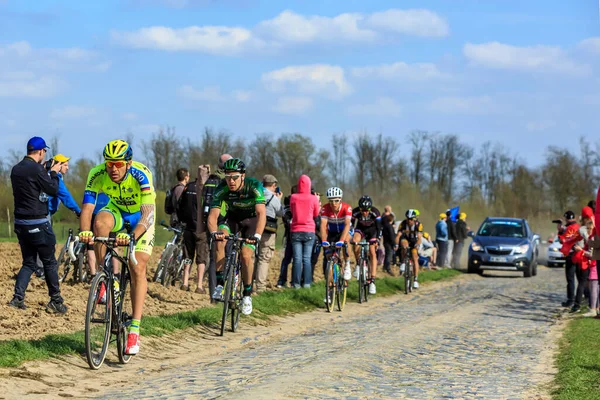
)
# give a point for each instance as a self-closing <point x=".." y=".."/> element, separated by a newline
<point x="471" y="234"/>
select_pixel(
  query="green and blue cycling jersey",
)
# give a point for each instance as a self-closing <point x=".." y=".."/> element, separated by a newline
<point x="240" y="204"/>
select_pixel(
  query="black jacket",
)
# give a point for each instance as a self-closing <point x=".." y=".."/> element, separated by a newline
<point x="187" y="207"/>
<point x="451" y="229"/>
<point x="389" y="236"/>
<point x="31" y="186"/>
<point x="461" y="230"/>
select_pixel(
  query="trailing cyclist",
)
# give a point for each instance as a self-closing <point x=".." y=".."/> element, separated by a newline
<point x="246" y="213"/>
<point x="129" y="186"/>
<point x="367" y="227"/>
<point x="336" y="219"/>
<point x="409" y="237"/>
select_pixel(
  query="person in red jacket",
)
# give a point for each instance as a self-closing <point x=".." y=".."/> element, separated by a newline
<point x="569" y="236"/>
<point x="305" y="208"/>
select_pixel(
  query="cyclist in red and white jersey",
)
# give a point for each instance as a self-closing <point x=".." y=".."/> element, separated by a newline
<point x="335" y="225"/>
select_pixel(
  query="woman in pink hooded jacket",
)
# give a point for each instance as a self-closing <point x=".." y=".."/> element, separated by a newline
<point x="305" y="208"/>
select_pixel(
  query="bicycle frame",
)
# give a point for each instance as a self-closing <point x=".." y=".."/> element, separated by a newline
<point x="364" y="271"/>
<point x="232" y="288"/>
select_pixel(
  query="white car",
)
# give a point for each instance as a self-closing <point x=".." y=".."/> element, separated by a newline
<point x="555" y="257"/>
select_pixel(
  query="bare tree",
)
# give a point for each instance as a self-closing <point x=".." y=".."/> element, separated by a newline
<point x="166" y="154"/>
<point x="338" y="164"/>
<point x="418" y="140"/>
<point x="363" y="158"/>
<point x="384" y="156"/>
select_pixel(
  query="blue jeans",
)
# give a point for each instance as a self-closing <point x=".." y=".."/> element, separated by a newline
<point x="285" y="263"/>
<point x="302" y="247"/>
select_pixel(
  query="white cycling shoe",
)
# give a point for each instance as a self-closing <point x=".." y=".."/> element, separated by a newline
<point x="402" y="268"/>
<point x="347" y="273"/>
<point x="372" y="288"/>
<point x="415" y="285"/>
<point x="247" y="305"/>
<point x="356" y="272"/>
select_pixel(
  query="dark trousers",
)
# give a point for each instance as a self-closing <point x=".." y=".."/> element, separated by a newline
<point x="37" y="240"/>
<point x="456" y="253"/>
<point x="442" y="252"/>
<point x="212" y="269"/>
<point x="582" y="283"/>
<point x="315" y="257"/>
<point x="389" y="256"/>
<point x="285" y="263"/>
<point x="570" y="268"/>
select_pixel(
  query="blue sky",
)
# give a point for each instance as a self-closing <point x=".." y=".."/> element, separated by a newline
<point x="522" y="73"/>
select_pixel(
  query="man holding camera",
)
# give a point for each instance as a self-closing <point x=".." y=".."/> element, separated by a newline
<point x="569" y="236"/>
<point x="32" y="185"/>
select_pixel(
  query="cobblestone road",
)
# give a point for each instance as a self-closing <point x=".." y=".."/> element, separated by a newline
<point x="474" y="339"/>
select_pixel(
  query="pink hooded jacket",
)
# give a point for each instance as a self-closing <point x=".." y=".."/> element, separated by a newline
<point x="304" y="206"/>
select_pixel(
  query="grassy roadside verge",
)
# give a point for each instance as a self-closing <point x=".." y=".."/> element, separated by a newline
<point x="578" y="361"/>
<point x="275" y="303"/>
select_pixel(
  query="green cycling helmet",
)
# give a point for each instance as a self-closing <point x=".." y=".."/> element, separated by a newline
<point x="234" y="165"/>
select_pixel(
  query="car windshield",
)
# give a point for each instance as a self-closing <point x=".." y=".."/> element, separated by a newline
<point x="512" y="229"/>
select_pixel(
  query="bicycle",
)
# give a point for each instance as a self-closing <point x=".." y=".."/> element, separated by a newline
<point x="106" y="317"/>
<point x="335" y="284"/>
<point x="364" y="274"/>
<point x="408" y="271"/>
<point x="170" y="266"/>
<point x="71" y="256"/>
<point x="232" y="288"/>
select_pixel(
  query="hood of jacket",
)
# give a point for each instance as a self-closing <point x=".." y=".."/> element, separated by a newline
<point x="304" y="184"/>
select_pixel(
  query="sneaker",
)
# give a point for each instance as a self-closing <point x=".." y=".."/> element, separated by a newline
<point x="200" y="290"/>
<point x="102" y="295"/>
<point x="402" y="268"/>
<point x="591" y="313"/>
<point x="56" y="307"/>
<point x="16" y="303"/>
<point x="356" y="272"/>
<point x="347" y="273"/>
<point x="133" y="344"/>
<point x="247" y="305"/>
<point x="218" y="293"/>
<point x="575" y="309"/>
<point x="567" y="304"/>
<point x="372" y="288"/>
<point x="281" y="286"/>
<point x="415" y="285"/>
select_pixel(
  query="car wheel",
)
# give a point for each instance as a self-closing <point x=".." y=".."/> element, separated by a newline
<point x="550" y="265"/>
<point x="534" y="271"/>
<point x="527" y="273"/>
<point x="473" y="269"/>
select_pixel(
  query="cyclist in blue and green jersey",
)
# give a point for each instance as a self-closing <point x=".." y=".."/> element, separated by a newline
<point x="246" y="213"/>
<point x="129" y="186"/>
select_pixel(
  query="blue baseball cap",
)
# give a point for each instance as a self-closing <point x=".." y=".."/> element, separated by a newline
<point x="36" y="143"/>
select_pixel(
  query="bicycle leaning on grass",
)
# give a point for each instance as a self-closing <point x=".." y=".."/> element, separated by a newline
<point x="105" y="315"/>
<point x="335" y="284"/>
<point x="73" y="256"/>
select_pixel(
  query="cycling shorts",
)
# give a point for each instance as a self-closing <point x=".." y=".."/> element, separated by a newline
<point x="367" y="233"/>
<point x="146" y="241"/>
<point x="246" y="227"/>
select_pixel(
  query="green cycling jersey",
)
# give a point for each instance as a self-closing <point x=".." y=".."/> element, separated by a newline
<point x="240" y="204"/>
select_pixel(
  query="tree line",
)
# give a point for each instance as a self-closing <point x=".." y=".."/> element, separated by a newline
<point x="427" y="170"/>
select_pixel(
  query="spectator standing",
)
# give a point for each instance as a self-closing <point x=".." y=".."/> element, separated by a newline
<point x="451" y="238"/>
<point x="389" y="237"/>
<point x="305" y="208"/>
<point x="183" y="177"/>
<point x="267" y="241"/>
<point x="441" y="238"/>
<point x="569" y="234"/>
<point x="582" y="271"/>
<point x="461" y="233"/>
<point x="32" y="185"/>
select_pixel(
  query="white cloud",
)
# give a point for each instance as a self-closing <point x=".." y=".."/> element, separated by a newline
<point x="207" y="39"/>
<point x="591" y="44"/>
<point x="383" y="107"/>
<point x="324" y="79"/>
<point x="416" y="22"/>
<point x="30" y="85"/>
<point x="129" y="116"/>
<point x="293" y="105"/>
<point x="537" y="126"/>
<point x="464" y="105"/>
<point x="213" y="94"/>
<point x="534" y="58"/>
<point x="400" y="71"/>
<point x="287" y="28"/>
<point x="73" y="112"/>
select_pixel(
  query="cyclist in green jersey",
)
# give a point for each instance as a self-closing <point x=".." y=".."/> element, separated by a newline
<point x="129" y="186"/>
<point x="247" y="214"/>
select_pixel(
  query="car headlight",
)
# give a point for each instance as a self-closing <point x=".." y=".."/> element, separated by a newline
<point x="522" y="249"/>
<point x="476" y="247"/>
<point x="555" y="249"/>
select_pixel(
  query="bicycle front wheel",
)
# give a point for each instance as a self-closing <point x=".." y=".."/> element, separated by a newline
<point x="329" y="286"/>
<point x="227" y="298"/>
<point x="98" y="318"/>
<point x="361" y="282"/>
<point x="162" y="263"/>
<point x="408" y="278"/>
<point x="236" y="300"/>
<point x="365" y="285"/>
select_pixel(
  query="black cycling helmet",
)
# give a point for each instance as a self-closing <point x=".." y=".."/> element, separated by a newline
<point x="411" y="214"/>
<point x="234" y="165"/>
<point x="365" y="203"/>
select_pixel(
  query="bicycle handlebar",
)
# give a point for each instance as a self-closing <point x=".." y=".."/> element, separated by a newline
<point x="112" y="241"/>
<point x="170" y="228"/>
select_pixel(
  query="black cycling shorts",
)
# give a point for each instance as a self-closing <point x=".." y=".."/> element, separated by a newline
<point x="367" y="233"/>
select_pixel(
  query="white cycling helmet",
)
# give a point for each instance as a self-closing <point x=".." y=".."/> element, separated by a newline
<point x="334" y="192"/>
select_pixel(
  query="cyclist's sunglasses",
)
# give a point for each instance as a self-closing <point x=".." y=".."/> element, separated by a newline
<point x="233" y="177"/>
<point x="335" y="200"/>
<point x="116" y="164"/>
<point x="365" y="209"/>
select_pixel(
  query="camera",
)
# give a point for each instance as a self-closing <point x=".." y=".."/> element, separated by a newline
<point x="48" y="164"/>
<point x="557" y="221"/>
<point x="277" y="190"/>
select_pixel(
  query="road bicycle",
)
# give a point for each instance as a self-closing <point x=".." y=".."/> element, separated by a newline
<point x="105" y="315"/>
<point x="408" y="274"/>
<point x="170" y="266"/>
<point x="335" y="284"/>
<point x="73" y="256"/>
<point x="364" y="274"/>
<point x="233" y="286"/>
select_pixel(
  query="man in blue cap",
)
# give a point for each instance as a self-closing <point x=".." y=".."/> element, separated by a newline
<point x="32" y="185"/>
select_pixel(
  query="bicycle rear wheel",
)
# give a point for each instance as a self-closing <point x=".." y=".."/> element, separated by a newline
<point x="162" y="263"/>
<point x="64" y="265"/>
<point x="98" y="319"/>
<point x="342" y="288"/>
<point x="329" y="286"/>
<point x="170" y="267"/>
<point x="227" y="297"/>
